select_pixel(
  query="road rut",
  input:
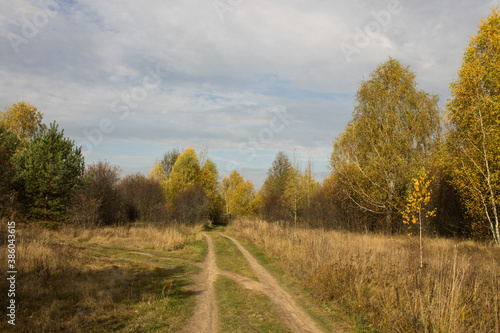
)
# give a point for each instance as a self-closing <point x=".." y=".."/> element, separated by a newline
<point x="205" y="313"/>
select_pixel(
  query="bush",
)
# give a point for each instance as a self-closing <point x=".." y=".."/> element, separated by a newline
<point x="191" y="205"/>
<point x="273" y="208"/>
<point x="216" y="212"/>
<point x="143" y="199"/>
<point x="98" y="200"/>
<point x="331" y="208"/>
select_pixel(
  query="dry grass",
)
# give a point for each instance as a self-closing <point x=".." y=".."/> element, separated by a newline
<point x="138" y="236"/>
<point x="63" y="284"/>
<point x="377" y="280"/>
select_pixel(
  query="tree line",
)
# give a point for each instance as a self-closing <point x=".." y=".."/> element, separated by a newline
<point x="401" y="165"/>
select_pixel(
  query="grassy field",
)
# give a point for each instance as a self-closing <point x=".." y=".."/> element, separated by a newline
<point x="376" y="281"/>
<point x="240" y="309"/>
<point x="139" y="279"/>
<point x="84" y="280"/>
<point x="229" y="258"/>
<point x="245" y="311"/>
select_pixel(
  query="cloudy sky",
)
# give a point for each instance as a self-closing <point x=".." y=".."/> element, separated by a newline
<point x="130" y="80"/>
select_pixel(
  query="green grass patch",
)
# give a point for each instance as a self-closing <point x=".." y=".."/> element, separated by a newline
<point x="195" y="251"/>
<point x="228" y="257"/>
<point x="242" y="310"/>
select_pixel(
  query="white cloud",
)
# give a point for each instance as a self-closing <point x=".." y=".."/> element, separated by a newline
<point x="219" y="78"/>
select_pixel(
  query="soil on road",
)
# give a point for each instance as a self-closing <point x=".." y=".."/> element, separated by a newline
<point x="205" y="313"/>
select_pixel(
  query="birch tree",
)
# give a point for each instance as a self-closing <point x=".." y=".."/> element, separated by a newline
<point x="473" y="116"/>
<point x="24" y="120"/>
<point x="392" y="133"/>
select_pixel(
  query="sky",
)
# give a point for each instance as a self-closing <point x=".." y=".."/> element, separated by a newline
<point x="131" y="80"/>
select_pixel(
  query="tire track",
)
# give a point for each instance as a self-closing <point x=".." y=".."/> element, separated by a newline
<point x="204" y="319"/>
<point x="291" y="314"/>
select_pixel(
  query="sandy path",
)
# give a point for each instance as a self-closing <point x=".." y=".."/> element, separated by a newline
<point x="204" y="319"/>
<point x="291" y="314"/>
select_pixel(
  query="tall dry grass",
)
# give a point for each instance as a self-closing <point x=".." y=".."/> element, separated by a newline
<point x="61" y="286"/>
<point x="138" y="236"/>
<point x="379" y="277"/>
<point x="45" y="250"/>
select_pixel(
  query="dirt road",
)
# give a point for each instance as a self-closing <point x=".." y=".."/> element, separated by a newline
<point x="204" y="319"/>
<point x="205" y="314"/>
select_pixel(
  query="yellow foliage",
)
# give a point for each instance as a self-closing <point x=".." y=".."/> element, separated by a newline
<point x="418" y="199"/>
<point x="239" y="195"/>
<point x="185" y="172"/>
<point x="24" y="120"/>
<point x="157" y="172"/>
<point x="473" y="116"/>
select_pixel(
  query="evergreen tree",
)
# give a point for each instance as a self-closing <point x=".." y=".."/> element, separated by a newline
<point x="47" y="172"/>
<point x="273" y="205"/>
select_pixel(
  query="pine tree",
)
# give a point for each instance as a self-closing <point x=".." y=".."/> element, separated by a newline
<point x="47" y="171"/>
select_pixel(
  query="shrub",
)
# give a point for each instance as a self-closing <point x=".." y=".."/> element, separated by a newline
<point x="98" y="200"/>
<point x="143" y="199"/>
<point x="191" y="205"/>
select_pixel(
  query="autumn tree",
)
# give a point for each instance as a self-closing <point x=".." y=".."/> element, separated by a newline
<point x="24" y="120"/>
<point x="162" y="169"/>
<point x="47" y="172"/>
<point x="287" y="190"/>
<point x="292" y="195"/>
<point x="191" y="204"/>
<point x="417" y="209"/>
<point x="143" y="198"/>
<point x="393" y="131"/>
<point x="209" y="177"/>
<point x="278" y="178"/>
<point x="300" y="187"/>
<point x="8" y="146"/>
<point x="186" y="171"/>
<point x="238" y="194"/>
<point x="278" y="175"/>
<point x="97" y="200"/>
<point x="168" y="161"/>
<point x="157" y="173"/>
<point x="473" y="115"/>
<point x="188" y="183"/>
<point x="309" y="184"/>
<point x="209" y="180"/>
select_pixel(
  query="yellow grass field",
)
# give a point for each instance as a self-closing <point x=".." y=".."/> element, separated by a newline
<point x="377" y="280"/>
<point x="83" y="280"/>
